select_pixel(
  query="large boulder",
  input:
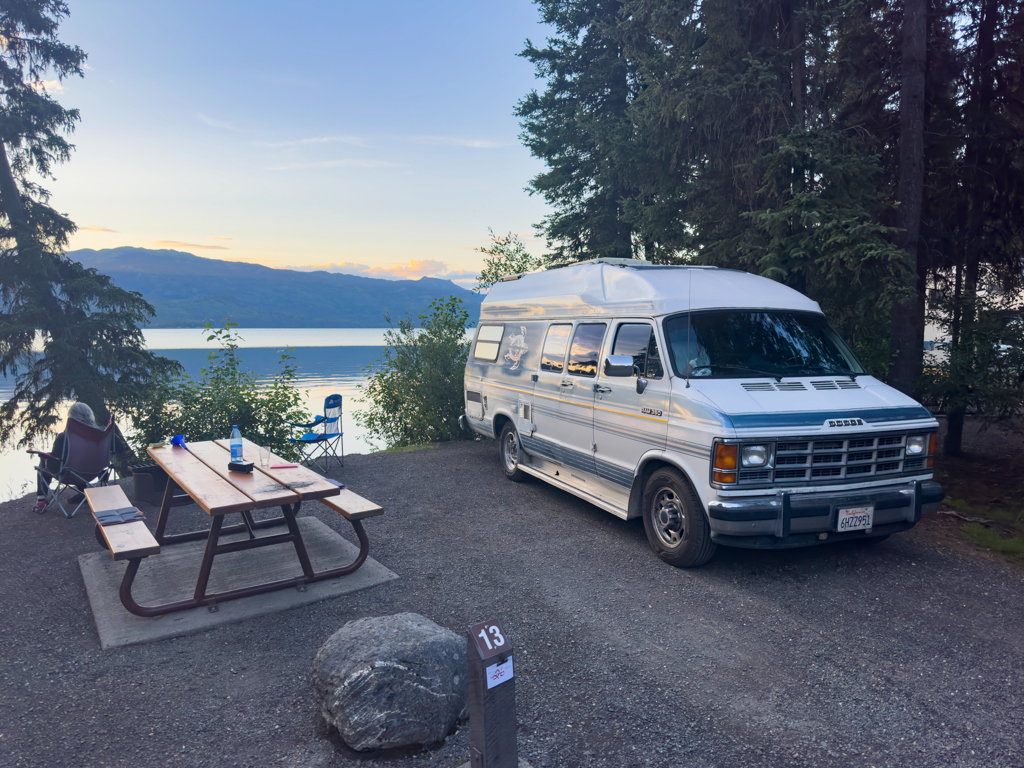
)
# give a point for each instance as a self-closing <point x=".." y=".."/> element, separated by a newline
<point x="392" y="681"/>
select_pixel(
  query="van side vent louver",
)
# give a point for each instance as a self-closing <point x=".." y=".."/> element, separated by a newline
<point x="758" y="386"/>
<point x="824" y="385"/>
<point x="790" y="386"/>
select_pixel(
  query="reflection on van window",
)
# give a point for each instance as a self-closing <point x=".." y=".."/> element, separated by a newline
<point x="637" y="340"/>
<point x="553" y="357"/>
<point x="731" y="344"/>
<point x="586" y="348"/>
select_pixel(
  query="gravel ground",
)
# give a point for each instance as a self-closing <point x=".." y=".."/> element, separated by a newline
<point x="906" y="653"/>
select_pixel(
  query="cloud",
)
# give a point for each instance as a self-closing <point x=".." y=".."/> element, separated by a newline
<point x="229" y="239"/>
<point x="179" y="244"/>
<point x="216" y="123"/>
<point x="358" y="141"/>
<point x="350" y="163"/>
<point x="454" y="141"/>
<point x="48" y="86"/>
<point x="94" y="228"/>
<point x="414" y="270"/>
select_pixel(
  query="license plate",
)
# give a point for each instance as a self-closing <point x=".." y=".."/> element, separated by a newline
<point x="854" y="519"/>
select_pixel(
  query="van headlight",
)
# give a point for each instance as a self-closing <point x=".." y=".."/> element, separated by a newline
<point x="754" y="455"/>
<point x="916" y="445"/>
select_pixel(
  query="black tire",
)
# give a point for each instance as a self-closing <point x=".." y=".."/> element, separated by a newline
<point x="508" y="453"/>
<point x="674" y="520"/>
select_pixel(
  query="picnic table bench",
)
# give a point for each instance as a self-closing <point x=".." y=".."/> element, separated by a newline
<point x="201" y="471"/>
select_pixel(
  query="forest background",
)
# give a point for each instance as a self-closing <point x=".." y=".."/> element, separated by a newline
<point x="868" y="153"/>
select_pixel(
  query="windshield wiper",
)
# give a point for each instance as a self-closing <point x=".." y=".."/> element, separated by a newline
<point x="756" y="371"/>
<point x="824" y="370"/>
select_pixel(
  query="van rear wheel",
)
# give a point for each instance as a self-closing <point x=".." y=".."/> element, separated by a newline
<point x="674" y="520"/>
<point x="509" y="451"/>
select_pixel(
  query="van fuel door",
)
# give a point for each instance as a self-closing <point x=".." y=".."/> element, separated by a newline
<point x="524" y="414"/>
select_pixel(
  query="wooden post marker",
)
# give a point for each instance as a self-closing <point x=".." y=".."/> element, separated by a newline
<point x="492" y="698"/>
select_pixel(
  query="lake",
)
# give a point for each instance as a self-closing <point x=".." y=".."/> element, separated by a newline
<point x="328" y="360"/>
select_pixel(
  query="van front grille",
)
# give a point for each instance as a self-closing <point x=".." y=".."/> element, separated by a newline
<point x="805" y="461"/>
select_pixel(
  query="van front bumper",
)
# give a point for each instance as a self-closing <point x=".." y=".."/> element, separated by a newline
<point x="791" y="519"/>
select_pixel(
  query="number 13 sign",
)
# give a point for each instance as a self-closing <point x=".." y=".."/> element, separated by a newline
<point x="490" y="639"/>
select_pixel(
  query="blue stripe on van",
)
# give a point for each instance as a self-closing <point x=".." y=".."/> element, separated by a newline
<point x="567" y="456"/>
<point x="614" y="474"/>
<point x="817" y="418"/>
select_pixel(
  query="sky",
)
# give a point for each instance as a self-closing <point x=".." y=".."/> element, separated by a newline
<point x="371" y="138"/>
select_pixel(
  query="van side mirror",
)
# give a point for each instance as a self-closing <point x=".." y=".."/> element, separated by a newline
<point x="618" y="366"/>
<point x="641" y="385"/>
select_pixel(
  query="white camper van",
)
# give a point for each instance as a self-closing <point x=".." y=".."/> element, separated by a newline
<point x="717" y="404"/>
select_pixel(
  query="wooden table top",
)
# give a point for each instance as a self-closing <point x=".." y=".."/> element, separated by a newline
<point x="202" y="472"/>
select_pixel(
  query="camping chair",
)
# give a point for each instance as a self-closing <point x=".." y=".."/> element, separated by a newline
<point x="323" y="446"/>
<point x="85" y="461"/>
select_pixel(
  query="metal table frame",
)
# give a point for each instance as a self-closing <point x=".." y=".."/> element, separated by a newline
<point x="213" y="548"/>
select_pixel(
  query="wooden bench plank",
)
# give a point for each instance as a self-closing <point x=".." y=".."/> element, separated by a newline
<point x="305" y="482"/>
<point x="203" y="485"/>
<point x="106" y="498"/>
<point x="130" y="540"/>
<point x="124" y="540"/>
<point x="352" y="505"/>
<point x="265" y="491"/>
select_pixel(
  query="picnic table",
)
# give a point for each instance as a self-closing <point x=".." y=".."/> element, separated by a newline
<point x="202" y="472"/>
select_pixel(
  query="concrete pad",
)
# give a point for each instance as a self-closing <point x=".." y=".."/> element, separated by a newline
<point x="171" y="576"/>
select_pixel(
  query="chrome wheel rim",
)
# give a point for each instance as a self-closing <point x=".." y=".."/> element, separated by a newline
<point x="667" y="516"/>
<point x="511" y="452"/>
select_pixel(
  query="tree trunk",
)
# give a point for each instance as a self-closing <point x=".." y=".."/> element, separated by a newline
<point x="907" y="317"/>
<point x="963" y="351"/>
<point x="10" y="197"/>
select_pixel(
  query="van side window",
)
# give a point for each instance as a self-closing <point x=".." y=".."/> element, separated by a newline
<point x="638" y="340"/>
<point x="586" y="349"/>
<point x="553" y="357"/>
<point x="488" y="340"/>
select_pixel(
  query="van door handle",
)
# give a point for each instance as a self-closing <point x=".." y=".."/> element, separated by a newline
<point x="566" y="383"/>
<point x="601" y="390"/>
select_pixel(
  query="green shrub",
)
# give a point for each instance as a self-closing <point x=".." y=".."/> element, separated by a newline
<point x="415" y="391"/>
<point x="225" y="394"/>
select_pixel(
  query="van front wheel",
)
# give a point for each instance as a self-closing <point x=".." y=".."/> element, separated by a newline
<point x="509" y="450"/>
<point x="674" y="520"/>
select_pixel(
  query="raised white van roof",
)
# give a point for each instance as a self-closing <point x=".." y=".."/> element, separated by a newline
<point x="627" y="287"/>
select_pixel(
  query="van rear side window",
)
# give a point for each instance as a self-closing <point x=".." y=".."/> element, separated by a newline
<point x="553" y="357"/>
<point x="488" y="342"/>
<point x="586" y="348"/>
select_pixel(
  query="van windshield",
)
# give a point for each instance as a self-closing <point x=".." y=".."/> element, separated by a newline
<point x="730" y="344"/>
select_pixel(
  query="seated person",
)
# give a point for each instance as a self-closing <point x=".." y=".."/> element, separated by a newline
<point x="79" y="412"/>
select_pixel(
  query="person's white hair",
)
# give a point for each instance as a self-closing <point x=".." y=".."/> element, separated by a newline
<point x="83" y="413"/>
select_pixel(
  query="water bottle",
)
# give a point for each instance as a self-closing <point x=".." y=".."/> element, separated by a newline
<point x="236" y="444"/>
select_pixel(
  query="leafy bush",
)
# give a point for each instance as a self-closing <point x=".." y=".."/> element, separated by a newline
<point x="226" y="394"/>
<point x="415" y="391"/>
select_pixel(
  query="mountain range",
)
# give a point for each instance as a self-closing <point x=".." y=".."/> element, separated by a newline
<point x="188" y="290"/>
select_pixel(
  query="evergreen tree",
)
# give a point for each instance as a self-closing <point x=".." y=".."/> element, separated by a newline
<point x="92" y="348"/>
<point x="581" y="127"/>
<point x="976" y="225"/>
<point x="749" y="156"/>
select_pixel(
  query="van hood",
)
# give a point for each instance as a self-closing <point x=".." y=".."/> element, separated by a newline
<point x="808" y="402"/>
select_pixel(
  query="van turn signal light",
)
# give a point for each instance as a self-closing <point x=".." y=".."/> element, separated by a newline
<point x="725" y="477"/>
<point x="726" y="457"/>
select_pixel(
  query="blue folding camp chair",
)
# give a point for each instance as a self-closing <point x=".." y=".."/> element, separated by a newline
<point x="326" y="445"/>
